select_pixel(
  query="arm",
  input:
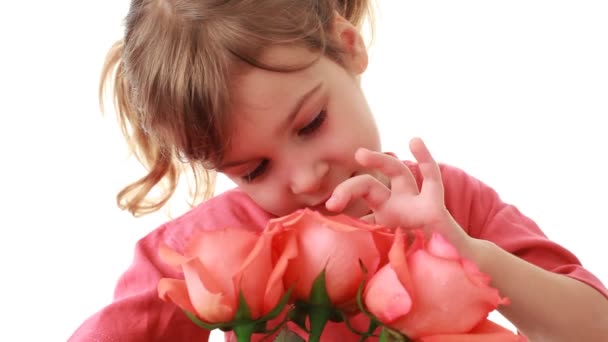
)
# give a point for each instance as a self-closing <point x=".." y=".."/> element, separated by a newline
<point x="137" y="314"/>
<point x="553" y="298"/>
<point x="545" y="306"/>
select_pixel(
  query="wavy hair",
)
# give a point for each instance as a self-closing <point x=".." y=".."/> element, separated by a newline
<point x="170" y="78"/>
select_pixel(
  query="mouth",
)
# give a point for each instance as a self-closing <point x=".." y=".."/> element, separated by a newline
<point x="320" y="206"/>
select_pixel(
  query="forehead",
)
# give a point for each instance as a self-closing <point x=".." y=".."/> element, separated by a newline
<point x="255" y="89"/>
<point x="262" y="100"/>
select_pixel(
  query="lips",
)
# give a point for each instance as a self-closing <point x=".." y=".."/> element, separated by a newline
<point x="321" y="205"/>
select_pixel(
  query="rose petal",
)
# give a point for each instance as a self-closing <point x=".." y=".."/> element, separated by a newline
<point x="226" y="248"/>
<point x="310" y="261"/>
<point x="482" y="281"/>
<point x="440" y="247"/>
<point x="398" y="261"/>
<point x="385" y="296"/>
<point x="343" y="272"/>
<point x="327" y="244"/>
<point x="384" y="241"/>
<point x="278" y="224"/>
<point x="210" y="302"/>
<point x="486" y="331"/>
<point x="222" y="253"/>
<point x="445" y="300"/>
<point x="489" y="337"/>
<point x="274" y="288"/>
<point x="345" y="222"/>
<point x="175" y="291"/>
<point x="418" y="243"/>
<point x="251" y="279"/>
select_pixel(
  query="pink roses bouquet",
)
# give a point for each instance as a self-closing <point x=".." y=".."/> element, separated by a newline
<point x="308" y="272"/>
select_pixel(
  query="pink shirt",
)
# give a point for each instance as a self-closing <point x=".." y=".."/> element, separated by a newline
<point x="137" y="314"/>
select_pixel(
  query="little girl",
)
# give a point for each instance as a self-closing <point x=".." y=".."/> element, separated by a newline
<point x="267" y="92"/>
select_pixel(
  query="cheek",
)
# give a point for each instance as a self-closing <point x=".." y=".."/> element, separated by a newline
<point x="353" y="125"/>
<point x="363" y="128"/>
<point x="348" y="132"/>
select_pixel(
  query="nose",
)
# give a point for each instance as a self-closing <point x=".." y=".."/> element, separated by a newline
<point x="308" y="179"/>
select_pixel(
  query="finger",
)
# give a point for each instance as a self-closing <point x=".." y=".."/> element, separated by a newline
<point x="402" y="179"/>
<point x="366" y="187"/>
<point x="429" y="169"/>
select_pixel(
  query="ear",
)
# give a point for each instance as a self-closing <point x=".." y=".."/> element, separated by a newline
<point x="348" y="37"/>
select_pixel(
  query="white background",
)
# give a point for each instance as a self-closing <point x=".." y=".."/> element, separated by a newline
<point x="513" y="92"/>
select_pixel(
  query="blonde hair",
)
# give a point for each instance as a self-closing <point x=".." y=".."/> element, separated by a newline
<point x="171" y="72"/>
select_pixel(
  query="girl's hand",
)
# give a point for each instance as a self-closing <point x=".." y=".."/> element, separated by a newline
<point x="401" y="205"/>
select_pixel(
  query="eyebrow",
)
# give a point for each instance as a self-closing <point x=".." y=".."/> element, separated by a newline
<point x="298" y="107"/>
<point x="288" y="120"/>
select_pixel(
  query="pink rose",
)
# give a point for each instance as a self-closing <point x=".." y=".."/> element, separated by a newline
<point x="428" y="289"/>
<point x="335" y="244"/>
<point x="217" y="265"/>
<point x="486" y="331"/>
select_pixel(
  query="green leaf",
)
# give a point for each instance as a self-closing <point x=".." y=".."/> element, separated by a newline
<point x="242" y="318"/>
<point x="242" y="324"/>
<point x="261" y="322"/>
<point x="318" y="293"/>
<point x="318" y="319"/>
<point x="351" y="328"/>
<point x="244" y="331"/>
<point x="242" y="313"/>
<point x="373" y="324"/>
<point x="227" y="326"/>
<point x="383" y="336"/>
<point x="320" y="309"/>
<point x="390" y="335"/>
<point x="298" y="315"/>
<point x="397" y="336"/>
<point x="279" y="308"/>
<point x="360" y="293"/>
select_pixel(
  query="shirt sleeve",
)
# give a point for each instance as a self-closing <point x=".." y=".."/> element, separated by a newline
<point x="480" y="211"/>
<point x="137" y="314"/>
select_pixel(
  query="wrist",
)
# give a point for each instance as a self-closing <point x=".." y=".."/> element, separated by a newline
<point x="479" y="252"/>
<point x="476" y="250"/>
<point x="455" y="234"/>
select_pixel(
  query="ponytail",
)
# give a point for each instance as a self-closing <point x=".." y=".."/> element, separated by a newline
<point x="163" y="166"/>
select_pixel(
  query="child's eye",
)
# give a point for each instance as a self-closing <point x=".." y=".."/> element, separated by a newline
<point x="258" y="171"/>
<point x="314" y="125"/>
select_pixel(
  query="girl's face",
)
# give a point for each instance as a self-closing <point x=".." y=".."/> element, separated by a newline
<point x="295" y="134"/>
